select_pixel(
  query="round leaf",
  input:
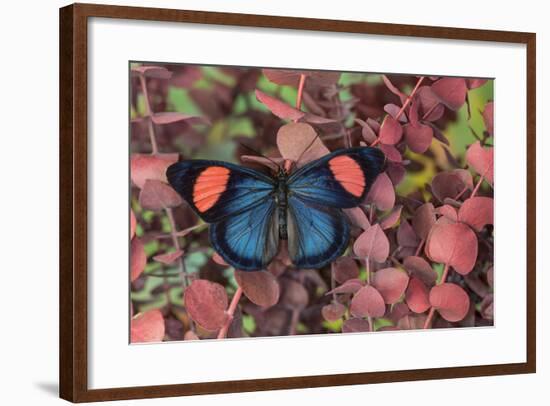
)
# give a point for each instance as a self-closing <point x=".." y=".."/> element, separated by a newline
<point x="391" y="283"/>
<point x="373" y="244"/>
<point x="421" y="269"/>
<point x="417" y="296"/>
<point x="367" y="302"/>
<point x="143" y="167"/>
<point x="453" y="244"/>
<point x="157" y="195"/>
<point x="206" y="303"/>
<point x="299" y="142"/>
<point x="481" y="160"/>
<point x="138" y="259"/>
<point x="382" y="193"/>
<point x="279" y="108"/>
<point x="450" y="300"/>
<point x="476" y="212"/>
<point x="260" y="287"/>
<point x="390" y="131"/>
<point x="147" y="327"/>
<point x="418" y="138"/>
<point x="333" y="311"/>
<point x="423" y="220"/>
<point x="345" y="268"/>
<point x="451" y="92"/>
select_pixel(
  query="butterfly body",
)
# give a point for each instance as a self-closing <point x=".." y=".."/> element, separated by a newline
<point x="249" y="211"/>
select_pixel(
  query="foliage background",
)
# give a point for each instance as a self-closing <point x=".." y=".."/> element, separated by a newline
<point x="208" y="112"/>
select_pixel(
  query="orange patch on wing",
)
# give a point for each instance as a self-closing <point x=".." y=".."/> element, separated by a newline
<point x="209" y="186"/>
<point x="348" y="173"/>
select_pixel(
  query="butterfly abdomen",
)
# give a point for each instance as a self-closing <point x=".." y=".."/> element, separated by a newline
<point x="281" y="199"/>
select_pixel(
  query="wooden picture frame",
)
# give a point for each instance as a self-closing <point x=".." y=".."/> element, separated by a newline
<point x="74" y="201"/>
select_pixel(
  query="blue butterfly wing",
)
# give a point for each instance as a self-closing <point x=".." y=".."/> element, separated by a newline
<point x="250" y="239"/>
<point x="341" y="179"/>
<point x="216" y="190"/>
<point x="317" y="234"/>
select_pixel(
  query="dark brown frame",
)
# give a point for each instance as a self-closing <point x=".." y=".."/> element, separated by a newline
<point x="73" y="201"/>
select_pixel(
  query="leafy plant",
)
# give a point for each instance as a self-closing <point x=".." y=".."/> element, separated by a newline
<point x="421" y="253"/>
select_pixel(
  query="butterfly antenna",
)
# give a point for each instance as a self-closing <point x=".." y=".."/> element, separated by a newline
<point x="259" y="154"/>
<point x="309" y="146"/>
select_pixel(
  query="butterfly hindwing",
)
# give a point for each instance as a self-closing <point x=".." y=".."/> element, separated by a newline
<point x="248" y="240"/>
<point x="341" y="179"/>
<point x="316" y="234"/>
<point x="216" y="189"/>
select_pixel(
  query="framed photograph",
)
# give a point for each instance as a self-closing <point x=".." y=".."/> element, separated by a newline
<point x="255" y="202"/>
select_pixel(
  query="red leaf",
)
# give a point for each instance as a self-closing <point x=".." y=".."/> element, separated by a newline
<point x="451" y="92"/>
<point x="490" y="276"/>
<point x="157" y="195"/>
<point x="294" y="294"/>
<point x="147" y="327"/>
<point x="367" y="132"/>
<point x="390" y="131"/>
<point x="476" y="212"/>
<point x="345" y="268"/>
<point x="411" y="322"/>
<point x="219" y="260"/>
<point x="395" y="171"/>
<point x="355" y="325"/>
<point x="453" y="244"/>
<point x="349" y="286"/>
<point x="451" y="184"/>
<point x="206" y="303"/>
<point x="143" y="167"/>
<point x="292" y="77"/>
<point x="481" y="160"/>
<point x="449" y="212"/>
<point x="133" y="224"/>
<point x="423" y="220"/>
<point x="169" y="257"/>
<point x="393" y="110"/>
<point x="174" y="117"/>
<point x="272" y="163"/>
<point x="406" y="237"/>
<point x="381" y="193"/>
<point x="392" y="88"/>
<point x="430" y="108"/>
<point x="391" y="283"/>
<point x="260" y="287"/>
<point x="357" y="217"/>
<point x="421" y="269"/>
<point x="418" y="138"/>
<point x="279" y="108"/>
<point x="157" y="72"/>
<point x="417" y="296"/>
<point x="373" y="244"/>
<point x="475" y="83"/>
<point x="299" y="142"/>
<point x="333" y="311"/>
<point x="450" y="300"/>
<point x="391" y="219"/>
<point x="488" y="118"/>
<point x="391" y="153"/>
<point x="138" y="259"/>
<point x="367" y="302"/>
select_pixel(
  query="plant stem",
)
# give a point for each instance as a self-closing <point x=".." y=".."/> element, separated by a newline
<point x="149" y="113"/>
<point x="175" y="241"/>
<point x="300" y="91"/>
<point x="479" y="182"/>
<point x="419" y="248"/>
<point x="409" y="98"/>
<point x="230" y="312"/>
<point x="367" y="266"/>
<point x="431" y="313"/>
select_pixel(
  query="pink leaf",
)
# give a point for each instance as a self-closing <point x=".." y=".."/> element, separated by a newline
<point x="453" y="244"/>
<point x="144" y="166"/>
<point x="355" y="325"/>
<point x="157" y="72"/>
<point x="272" y="163"/>
<point x="345" y="268"/>
<point x="367" y="302"/>
<point x="481" y="160"/>
<point x="391" y="283"/>
<point x="373" y="244"/>
<point x="450" y="184"/>
<point x="260" y="287"/>
<point x="448" y="212"/>
<point x="381" y="193"/>
<point x="418" y="138"/>
<point x="476" y="212"/>
<point x="279" y="108"/>
<point x="157" y="195"/>
<point x="475" y="83"/>
<point x="391" y="153"/>
<point x="294" y="295"/>
<point x="421" y="269"/>
<point x="168" y="258"/>
<point x="451" y="92"/>
<point x="138" y="259"/>
<point x="417" y="296"/>
<point x="391" y="219"/>
<point x="174" y="117"/>
<point x="393" y="110"/>
<point x="299" y="142"/>
<point x="292" y="77"/>
<point x="357" y="217"/>
<point x="430" y="109"/>
<point x="333" y="311"/>
<point x="349" y="286"/>
<point x="450" y="300"/>
<point x="206" y="303"/>
<point x="366" y="131"/>
<point x="147" y="327"/>
<point x="406" y="236"/>
<point x="423" y="220"/>
<point x="390" y="131"/>
<point x="488" y="118"/>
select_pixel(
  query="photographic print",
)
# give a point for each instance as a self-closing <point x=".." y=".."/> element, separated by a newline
<point x="281" y="202"/>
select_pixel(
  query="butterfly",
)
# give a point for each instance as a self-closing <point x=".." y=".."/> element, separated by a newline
<point x="250" y="212"/>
